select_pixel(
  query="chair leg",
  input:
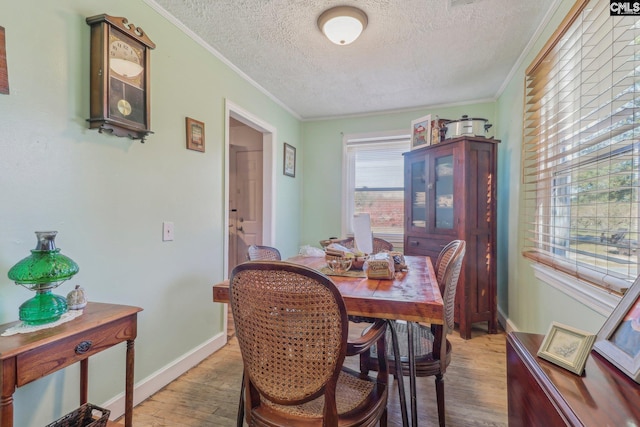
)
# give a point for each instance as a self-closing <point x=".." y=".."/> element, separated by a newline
<point x="440" y="398"/>
<point x="383" y="418"/>
<point x="240" y="420"/>
<point x="364" y="363"/>
<point x="399" y="376"/>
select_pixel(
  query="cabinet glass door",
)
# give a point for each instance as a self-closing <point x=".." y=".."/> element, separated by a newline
<point x="418" y="195"/>
<point x="444" y="192"/>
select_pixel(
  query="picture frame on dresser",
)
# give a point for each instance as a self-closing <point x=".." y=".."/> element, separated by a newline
<point x="567" y="347"/>
<point x="421" y="132"/>
<point x="618" y="340"/>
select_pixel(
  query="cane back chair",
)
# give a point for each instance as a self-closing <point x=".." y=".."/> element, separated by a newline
<point x="256" y="253"/>
<point x="379" y="244"/>
<point x="432" y="348"/>
<point x="263" y="253"/>
<point x="292" y="327"/>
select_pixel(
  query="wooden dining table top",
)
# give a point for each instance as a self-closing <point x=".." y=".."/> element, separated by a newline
<point x="412" y="295"/>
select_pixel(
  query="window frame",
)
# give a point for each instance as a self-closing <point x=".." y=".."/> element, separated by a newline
<point x="348" y="177"/>
<point x="600" y="292"/>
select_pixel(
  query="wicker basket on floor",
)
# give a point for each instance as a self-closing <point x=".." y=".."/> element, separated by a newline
<point x="83" y="417"/>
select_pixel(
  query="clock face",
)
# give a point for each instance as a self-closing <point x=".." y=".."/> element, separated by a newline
<point x="123" y="60"/>
<point x="126" y="79"/>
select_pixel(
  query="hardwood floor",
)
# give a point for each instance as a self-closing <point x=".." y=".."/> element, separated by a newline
<point x="475" y="389"/>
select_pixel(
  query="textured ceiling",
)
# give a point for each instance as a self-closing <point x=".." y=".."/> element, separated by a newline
<point x="414" y="53"/>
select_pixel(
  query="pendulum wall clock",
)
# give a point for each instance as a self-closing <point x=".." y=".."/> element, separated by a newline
<point x="120" y="86"/>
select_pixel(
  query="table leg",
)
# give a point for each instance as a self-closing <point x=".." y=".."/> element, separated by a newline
<point x="399" y="373"/>
<point x="128" y="394"/>
<point x="412" y="374"/>
<point x="7" y="373"/>
<point x="84" y="375"/>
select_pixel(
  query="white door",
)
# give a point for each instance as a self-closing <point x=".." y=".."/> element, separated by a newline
<point x="248" y="201"/>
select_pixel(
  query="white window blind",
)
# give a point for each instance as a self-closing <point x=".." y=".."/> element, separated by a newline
<point x="581" y="151"/>
<point x="374" y="182"/>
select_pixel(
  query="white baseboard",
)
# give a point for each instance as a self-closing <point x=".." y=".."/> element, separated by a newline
<point x="157" y="380"/>
<point x="506" y="323"/>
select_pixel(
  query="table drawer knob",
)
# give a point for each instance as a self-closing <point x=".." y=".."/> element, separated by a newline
<point x="83" y="347"/>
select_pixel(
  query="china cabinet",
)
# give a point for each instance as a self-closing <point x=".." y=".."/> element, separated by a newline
<point x="450" y="193"/>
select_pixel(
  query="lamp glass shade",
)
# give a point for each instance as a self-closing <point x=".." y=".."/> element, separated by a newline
<point x="45" y="269"/>
<point x="343" y="24"/>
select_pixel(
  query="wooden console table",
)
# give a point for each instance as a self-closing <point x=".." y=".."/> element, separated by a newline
<point x="543" y="394"/>
<point x="27" y="357"/>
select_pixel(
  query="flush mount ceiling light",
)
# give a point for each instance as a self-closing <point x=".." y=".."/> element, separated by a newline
<point x="342" y="24"/>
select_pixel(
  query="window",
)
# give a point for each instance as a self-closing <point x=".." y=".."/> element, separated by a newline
<point x="374" y="182"/>
<point x="581" y="152"/>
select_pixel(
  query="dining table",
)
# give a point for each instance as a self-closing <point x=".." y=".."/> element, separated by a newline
<point x="413" y="295"/>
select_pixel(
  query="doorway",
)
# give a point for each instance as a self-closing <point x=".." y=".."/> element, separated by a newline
<point x="249" y="184"/>
<point x="245" y="190"/>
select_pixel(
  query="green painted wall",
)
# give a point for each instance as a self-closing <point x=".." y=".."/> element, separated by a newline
<point x="530" y="304"/>
<point x="107" y="197"/>
<point x="322" y="190"/>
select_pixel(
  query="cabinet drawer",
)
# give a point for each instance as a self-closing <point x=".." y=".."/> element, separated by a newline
<point x="426" y="246"/>
<point x="45" y="360"/>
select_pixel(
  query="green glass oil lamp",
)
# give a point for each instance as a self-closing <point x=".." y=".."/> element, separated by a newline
<point x="45" y="269"/>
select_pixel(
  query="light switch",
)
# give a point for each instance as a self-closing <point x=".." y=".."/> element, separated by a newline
<point x="167" y="231"/>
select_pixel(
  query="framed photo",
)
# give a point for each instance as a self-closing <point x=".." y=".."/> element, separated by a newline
<point x="618" y="340"/>
<point x="421" y="132"/>
<point x="567" y="347"/>
<point x="289" y="163"/>
<point x="195" y="135"/>
<point x="4" y="75"/>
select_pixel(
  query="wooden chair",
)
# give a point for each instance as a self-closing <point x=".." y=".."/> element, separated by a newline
<point x="431" y="348"/>
<point x="263" y="253"/>
<point x="292" y="328"/>
<point x="256" y="253"/>
<point x="379" y="245"/>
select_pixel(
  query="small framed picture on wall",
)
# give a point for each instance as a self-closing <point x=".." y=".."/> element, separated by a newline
<point x="4" y="74"/>
<point x="195" y="135"/>
<point x="289" y="164"/>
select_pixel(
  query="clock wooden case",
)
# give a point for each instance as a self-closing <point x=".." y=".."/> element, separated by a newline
<point x="120" y="83"/>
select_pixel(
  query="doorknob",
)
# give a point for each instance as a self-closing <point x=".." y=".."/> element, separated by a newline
<point x="240" y="228"/>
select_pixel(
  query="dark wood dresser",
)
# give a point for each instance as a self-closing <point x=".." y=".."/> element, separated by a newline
<point x="543" y="394"/>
